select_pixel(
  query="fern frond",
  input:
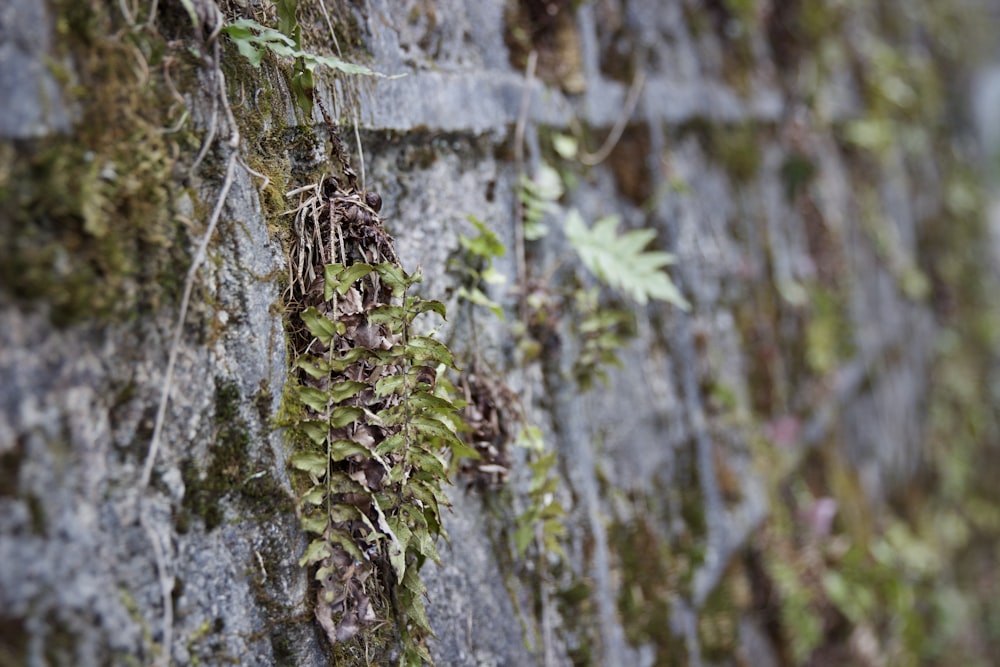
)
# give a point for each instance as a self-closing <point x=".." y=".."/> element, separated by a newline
<point x="620" y="261"/>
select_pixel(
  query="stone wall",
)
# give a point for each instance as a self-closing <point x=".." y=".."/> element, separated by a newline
<point x="806" y="166"/>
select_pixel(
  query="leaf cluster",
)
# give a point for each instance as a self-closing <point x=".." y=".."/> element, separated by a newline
<point x="542" y="521"/>
<point x="603" y="330"/>
<point x="254" y="40"/>
<point x="376" y="430"/>
<point x="477" y="266"/>
<point x="538" y="197"/>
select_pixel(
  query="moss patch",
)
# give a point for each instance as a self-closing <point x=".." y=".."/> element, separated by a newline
<point x="233" y="467"/>
<point x="88" y="219"/>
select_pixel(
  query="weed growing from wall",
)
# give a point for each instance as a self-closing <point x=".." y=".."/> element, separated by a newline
<point x="375" y="430"/>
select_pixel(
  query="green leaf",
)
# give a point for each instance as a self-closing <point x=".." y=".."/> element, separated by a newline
<point x="314" y="496"/>
<point x="315" y="367"/>
<point x="320" y="325"/>
<point x="287" y="21"/>
<point x="390" y="445"/>
<point x="316" y="429"/>
<point x="523" y="535"/>
<point x="344" y="415"/>
<point x="317" y="550"/>
<point x="565" y="145"/>
<point x="342" y="448"/>
<point x="425" y="401"/>
<point x="351" y="275"/>
<point x="310" y="462"/>
<point x="347" y="542"/>
<point x="464" y="451"/>
<point x="390" y="315"/>
<point x="314" y="398"/>
<point x="340" y="482"/>
<point x="432" y="427"/>
<point x="427" y="461"/>
<point x="420" y="306"/>
<point x="477" y="297"/>
<point x="342" y="391"/>
<point x="394" y="277"/>
<point x="392" y="384"/>
<point x="314" y="523"/>
<point x="425" y="348"/>
<point x="487" y="244"/>
<point x="618" y="259"/>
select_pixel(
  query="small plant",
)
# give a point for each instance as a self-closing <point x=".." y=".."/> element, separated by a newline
<point x="254" y="40"/>
<point x="542" y="520"/>
<point x="603" y="331"/>
<point x="375" y="429"/>
<point x="477" y="266"/>
<point x="619" y="259"/>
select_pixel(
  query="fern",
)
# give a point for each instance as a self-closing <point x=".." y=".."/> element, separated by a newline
<point x="376" y="431"/>
<point x="538" y="197"/>
<point x="253" y="40"/>
<point x="621" y="261"/>
<point x="477" y="266"/>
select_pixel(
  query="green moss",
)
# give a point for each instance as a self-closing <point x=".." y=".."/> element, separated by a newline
<point x="232" y="468"/>
<point x="736" y="147"/>
<point x="718" y="619"/>
<point x="88" y="223"/>
<point x="828" y="331"/>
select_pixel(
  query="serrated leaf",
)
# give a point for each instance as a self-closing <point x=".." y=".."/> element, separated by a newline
<point x="314" y="398"/>
<point x="347" y="543"/>
<point x="389" y="314"/>
<point x="317" y="550"/>
<point x="463" y="451"/>
<point x="425" y="460"/>
<point x="425" y="401"/>
<point x="420" y="306"/>
<point x="320" y="326"/>
<point x="432" y="428"/>
<point x="344" y="415"/>
<point x="426" y="546"/>
<point x="310" y="462"/>
<point x="340" y="482"/>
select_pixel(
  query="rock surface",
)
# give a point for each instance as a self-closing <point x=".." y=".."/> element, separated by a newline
<point x="813" y="330"/>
